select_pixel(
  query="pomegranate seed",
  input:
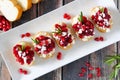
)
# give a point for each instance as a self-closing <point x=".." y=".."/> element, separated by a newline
<point x="96" y="39"/>
<point x="27" y="34"/>
<point x="67" y="16"/>
<point x="90" y="75"/>
<point x="87" y="64"/>
<point x="83" y="70"/>
<point x="81" y="74"/>
<point x="91" y="68"/>
<point x="98" y="74"/>
<point x="4" y="24"/>
<point x="25" y="72"/>
<point x="21" y="70"/>
<point x="101" y="38"/>
<point x="22" y="35"/>
<point x="59" y="55"/>
<point x="98" y="69"/>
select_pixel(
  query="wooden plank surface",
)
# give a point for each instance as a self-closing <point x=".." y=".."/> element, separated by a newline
<point x="70" y="71"/>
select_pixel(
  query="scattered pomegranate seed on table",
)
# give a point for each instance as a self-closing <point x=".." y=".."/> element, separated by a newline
<point x="4" y="24"/>
<point x="27" y="34"/>
<point x="67" y="16"/>
<point x="22" y="71"/>
<point x="90" y="75"/>
<point x="81" y="74"/>
<point x="99" y="39"/>
<point x="59" y="55"/>
<point x="96" y="71"/>
<point x="83" y="70"/>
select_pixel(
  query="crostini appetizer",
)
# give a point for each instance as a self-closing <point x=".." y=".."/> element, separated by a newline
<point x="44" y="45"/>
<point x="83" y="27"/>
<point x="24" y="53"/>
<point x="101" y="18"/>
<point x="63" y="36"/>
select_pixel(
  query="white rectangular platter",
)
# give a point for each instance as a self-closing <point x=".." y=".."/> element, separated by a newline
<point x="44" y="23"/>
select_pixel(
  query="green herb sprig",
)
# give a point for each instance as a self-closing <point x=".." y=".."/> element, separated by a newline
<point x="110" y="60"/>
<point x="35" y="41"/>
<point x="102" y="9"/>
<point x="80" y="18"/>
<point x="58" y="30"/>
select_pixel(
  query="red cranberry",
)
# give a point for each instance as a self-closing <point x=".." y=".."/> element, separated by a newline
<point x="59" y="56"/>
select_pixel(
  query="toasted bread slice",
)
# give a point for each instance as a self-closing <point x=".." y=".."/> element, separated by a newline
<point x="102" y="29"/>
<point x="19" y="51"/>
<point x="35" y="1"/>
<point x="26" y="4"/>
<point x="42" y="48"/>
<point x="11" y="9"/>
<point x="67" y="35"/>
<point x="84" y="29"/>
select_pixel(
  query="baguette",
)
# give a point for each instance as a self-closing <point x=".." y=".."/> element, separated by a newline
<point x="63" y="36"/>
<point x="26" y="4"/>
<point x="35" y="1"/>
<point x="83" y="27"/>
<point x="24" y="53"/>
<point x="44" y="45"/>
<point x="103" y="22"/>
<point x="11" y="9"/>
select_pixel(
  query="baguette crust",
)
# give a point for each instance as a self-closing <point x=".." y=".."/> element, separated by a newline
<point x="94" y="10"/>
<point x="28" y="4"/>
<point x="35" y="1"/>
<point x="6" y="10"/>
<point x="45" y="56"/>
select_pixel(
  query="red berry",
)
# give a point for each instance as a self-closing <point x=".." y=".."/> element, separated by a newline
<point x="90" y="76"/>
<point x="81" y="74"/>
<point x="22" y="35"/>
<point x="28" y="34"/>
<point x="83" y="70"/>
<point x="91" y="68"/>
<point x="59" y="56"/>
<point x="67" y="16"/>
